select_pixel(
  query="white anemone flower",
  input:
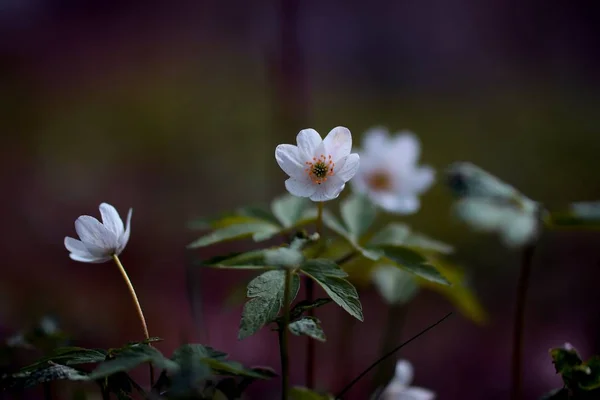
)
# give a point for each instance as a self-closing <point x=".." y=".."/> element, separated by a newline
<point x="99" y="242"/>
<point x="389" y="173"/>
<point x="399" y="389"/>
<point x="318" y="168"/>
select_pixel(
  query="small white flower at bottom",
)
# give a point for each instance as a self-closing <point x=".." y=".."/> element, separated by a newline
<point x="99" y="241"/>
<point x="389" y="173"/>
<point x="318" y="168"/>
<point x="399" y="389"/>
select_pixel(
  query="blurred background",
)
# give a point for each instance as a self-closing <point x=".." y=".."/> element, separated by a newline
<point x="175" y="109"/>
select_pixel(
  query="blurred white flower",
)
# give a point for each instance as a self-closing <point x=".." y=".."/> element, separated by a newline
<point x="318" y="168"/>
<point x="99" y="241"/>
<point x="389" y="173"/>
<point x="489" y="205"/>
<point x="399" y="389"/>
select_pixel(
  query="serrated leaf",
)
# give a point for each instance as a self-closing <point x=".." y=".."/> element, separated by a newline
<point x="52" y="372"/>
<point x="283" y="257"/>
<point x="233" y="368"/>
<point x="413" y="262"/>
<point x="131" y="357"/>
<point x="358" y="214"/>
<point x="395" y="285"/>
<point x="69" y="356"/>
<point x="331" y="278"/>
<point x="302" y="393"/>
<point x="256" y="228"/>
<point x="564" y="359"/>
<point x="398" y="234"/>
<point x="332" y="223"/>
<point x="308" y="326"/>
<point x="288" y="209"/>
<point x="266" y="298"/>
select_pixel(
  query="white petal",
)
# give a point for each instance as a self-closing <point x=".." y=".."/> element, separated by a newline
<point x="421" y="179"/>
<point x="76" y="246"/>
<point x="417" y="393"/>
<point x="329" y="190"/>
<point x="338" y="143"/>
<point x="308" y="140"/>
<point x="125" y="237"/>
<point x="520" y="230"/>
<point x="96" y="237"/>
<point x="376" y="139"/>
<point x="350" y="167"/>
<point x="303" y="187"/>
<point x="111" y="219"/>
<point x="395" y="203"/>
<point x="89" y="259"/>
<point x="405" y="148"/>
<point x="404" y="373"/>
<point x="290" y="160"/>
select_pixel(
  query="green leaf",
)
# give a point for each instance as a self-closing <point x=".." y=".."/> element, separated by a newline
<point x="249" y="260"/>
<point x="308" y="326"/>
<point x="413" y="262"/>
<point x="289" y="209"/>
<point x="253" y="227"/>
<point x="332" y="223"/>
<point x="129" y="358"/>
<point x="358" y="213"/>
<point x="233" y="368"/>
<point x="395" y="285"/>
<point x="283" y="257"/>
<point x="331" y="278"/>
<point x="398" y="234"/>
<point x="302" y="393"/>
<point x="51" y="372"/>
<point x="69" y="356"/>
<point x="258" y="212"/>
<point x="304" y="306"/>
<point x="590" y="378"/>
<point x="565" y="358"/>
<point x="266" y="298"/>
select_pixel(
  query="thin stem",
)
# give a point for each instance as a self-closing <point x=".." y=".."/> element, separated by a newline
<point x="137" y="306"/>
<point x="283" y="336"/>
<point x="519" y="323"/>
<point x="396" y="317"/>
<point x="310" y="344"/>
<point x="389" y="354"/>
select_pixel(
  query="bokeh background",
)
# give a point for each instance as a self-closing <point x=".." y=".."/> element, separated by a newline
<point x="175" y="108"/>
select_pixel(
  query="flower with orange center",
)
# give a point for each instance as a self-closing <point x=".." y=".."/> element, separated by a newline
<point x="318" y="168"/>
<point x="389" y="173"/>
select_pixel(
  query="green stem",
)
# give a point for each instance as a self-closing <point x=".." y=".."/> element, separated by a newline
<point x="519" y="322"/>
<point x="396" y="316"/>
<point x="389" y="354"/>
<point x="283" y="336"/>
<point x="138" y="308"/>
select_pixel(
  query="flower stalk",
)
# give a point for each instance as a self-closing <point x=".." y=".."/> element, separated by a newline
<point x="137" y="306"/>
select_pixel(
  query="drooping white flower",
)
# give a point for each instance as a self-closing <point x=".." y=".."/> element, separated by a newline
<point x="399" y="389"/>
<point x="389" y="173"/>
<point x="489" y="205"/>
<point x="99" y="241"/>
<point x="318" y="168"/>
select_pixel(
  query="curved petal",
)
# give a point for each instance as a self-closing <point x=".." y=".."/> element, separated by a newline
<point x="111" y="219"/>
<point x="375" y="139"/>
<point x="404" y="373"/>
<point x="416" y="393"/>
<point x="328" y="190"/>
<point x="89" y="259"/>
<point x="308" y="140"/>
<point x="290" y="159"/>
<point x="303" y="187"/>
<point x="76" y="246"/>
<point x="350" y="167"/>
<point x="421" y="179"/>
<point x="405" y="149"/>
<point x="338" y="143"/>
<point x="125" y="237"/>
<point x="96" y="237"/>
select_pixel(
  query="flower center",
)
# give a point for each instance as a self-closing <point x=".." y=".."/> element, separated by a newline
<point x="319" y="169"/>
<point x="379" y="181"/>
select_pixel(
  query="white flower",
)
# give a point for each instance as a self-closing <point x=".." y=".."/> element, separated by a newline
<point x="389" y="173"/>
<point x="399" y="389"/>
<point x="99" y="241"/>
<point x="489" y="205"/>
<point x="318" y="168"/>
